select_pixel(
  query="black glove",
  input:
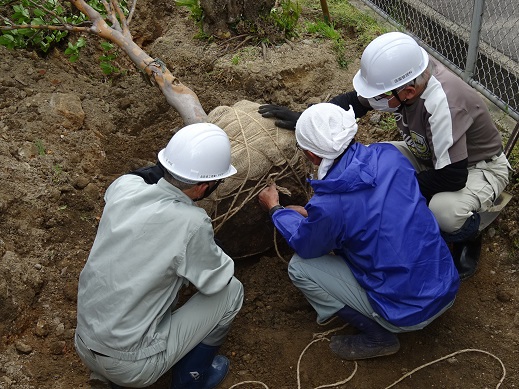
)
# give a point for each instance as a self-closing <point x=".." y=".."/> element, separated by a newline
<point x="350" y="98"/>
<point x="286" y="118"/>
<point x="150" y="174"/>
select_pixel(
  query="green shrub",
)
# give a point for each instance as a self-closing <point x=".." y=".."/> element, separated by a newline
<point x="286" y="16"/>
<point x="24" y="13"/>
<point x="44" y="12"/>
<point x="328" y="31"/>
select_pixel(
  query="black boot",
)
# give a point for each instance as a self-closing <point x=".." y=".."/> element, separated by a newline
<point x="466" y="256"/>
<point x="200" y="368"/>
<point x="373" y="340"/>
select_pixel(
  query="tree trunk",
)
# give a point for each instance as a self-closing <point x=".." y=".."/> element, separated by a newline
<point x="221" y="15"/>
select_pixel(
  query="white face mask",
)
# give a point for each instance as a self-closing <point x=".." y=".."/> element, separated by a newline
<point x="382" y="105"/>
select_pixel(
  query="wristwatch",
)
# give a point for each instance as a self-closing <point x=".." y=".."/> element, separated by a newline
<point x="274" y="209"/>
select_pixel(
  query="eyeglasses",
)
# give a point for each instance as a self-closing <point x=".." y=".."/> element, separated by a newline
<point x="392" y="92"/>
<point x="384" y="95"/>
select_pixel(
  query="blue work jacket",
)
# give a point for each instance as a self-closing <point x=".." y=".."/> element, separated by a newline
<point x="369" y="210"/>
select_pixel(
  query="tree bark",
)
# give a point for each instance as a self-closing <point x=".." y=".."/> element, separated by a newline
<point x="221" y="15"/>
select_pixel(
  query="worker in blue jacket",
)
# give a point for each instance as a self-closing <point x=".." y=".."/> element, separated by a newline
<point x="368" y="249"/>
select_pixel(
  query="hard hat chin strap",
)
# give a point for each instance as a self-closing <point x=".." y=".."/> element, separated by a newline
<point x="395" y="94"/>
<point x="210" y="189"/>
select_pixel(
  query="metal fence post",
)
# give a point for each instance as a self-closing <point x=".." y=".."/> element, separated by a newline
<point x="475" y="32"/>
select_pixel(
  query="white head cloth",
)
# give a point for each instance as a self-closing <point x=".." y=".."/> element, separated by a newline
<point x="326" y="130"/>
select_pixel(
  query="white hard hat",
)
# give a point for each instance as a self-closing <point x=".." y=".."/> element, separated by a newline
<point x="388" y="62"/>
<point x="197" y="153"/>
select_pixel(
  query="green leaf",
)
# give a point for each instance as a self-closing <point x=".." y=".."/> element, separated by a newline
<point x="107" y="58"/>
<point x="20" y="17"/>
<point x="7" y="41"/>
<point x="50" y="4"/>
<point x="37" y="21"/>
<point x="81" y="42"/>
<point x="26" y="13"/>
<point x="107" y="46"/>
<point x="44" y="46"/>
<point x="25" y="31"/>
<point x="38" y="13"/>
<point x="37" y="39"/>
<point x="6" y="38"/>
<point x="59" y="35"/>
<point x="107" y="68"/>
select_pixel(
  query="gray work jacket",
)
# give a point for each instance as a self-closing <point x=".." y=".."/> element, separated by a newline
<point x="152" y="239"/>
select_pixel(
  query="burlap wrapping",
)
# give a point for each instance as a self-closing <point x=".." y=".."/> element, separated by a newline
<point x="261" y="152"/>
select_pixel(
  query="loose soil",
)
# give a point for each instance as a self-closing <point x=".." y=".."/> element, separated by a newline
<point x="67" y="131"/>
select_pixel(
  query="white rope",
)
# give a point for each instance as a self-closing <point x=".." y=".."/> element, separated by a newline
<point x="319" y="338"/>
<point x="249" y="382"/>
<point x="322" y="336"/>
<point x="449" y="356"/>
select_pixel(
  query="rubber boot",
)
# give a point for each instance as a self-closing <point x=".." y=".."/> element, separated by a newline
<point x="372" y="341"/>
<point x="466" y="256"/>
<point x="200" y="368"/>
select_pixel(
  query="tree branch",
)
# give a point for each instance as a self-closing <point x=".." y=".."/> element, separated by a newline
<point x="7" y="21"/>
<point x="122" y="19"/>
<point x="132" y="11"/>
<point x="110" y="15"/>
<point x="180" y="97"/>
<point x="48" y="11"/>
<point x="67" y="27"/>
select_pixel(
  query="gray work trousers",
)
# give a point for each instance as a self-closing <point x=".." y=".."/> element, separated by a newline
<point x="485" y="182"/>
<point x="328" y="284"/>
<point x="201" y="318"/>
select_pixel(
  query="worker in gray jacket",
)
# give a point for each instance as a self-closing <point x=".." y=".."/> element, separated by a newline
<point x="152" y="240"/>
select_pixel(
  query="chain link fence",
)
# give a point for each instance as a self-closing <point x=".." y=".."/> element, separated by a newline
<point x="477" y="39"/>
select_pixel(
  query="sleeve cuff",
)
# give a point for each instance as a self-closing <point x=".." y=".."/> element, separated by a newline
<point x="274" y="209"/>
